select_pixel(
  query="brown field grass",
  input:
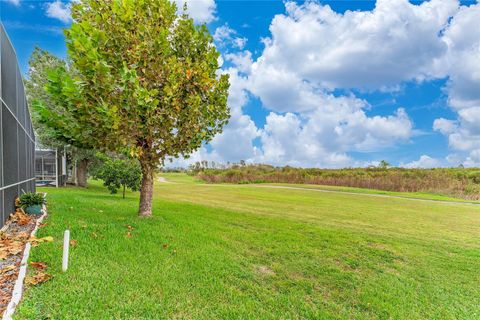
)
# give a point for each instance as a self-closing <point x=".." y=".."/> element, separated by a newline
<point x="457" y="182"/>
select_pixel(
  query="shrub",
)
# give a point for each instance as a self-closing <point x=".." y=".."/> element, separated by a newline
<point x="474" y="176"/>
<point x="120" y="173"/>
<point x="31" y="199"/>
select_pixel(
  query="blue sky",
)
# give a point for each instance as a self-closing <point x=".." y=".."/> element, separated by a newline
<point x="325" y="83"/>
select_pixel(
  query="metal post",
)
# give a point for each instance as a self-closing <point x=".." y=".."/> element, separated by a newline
<point x="64" y="166"/>
<point x="56" y="168"/>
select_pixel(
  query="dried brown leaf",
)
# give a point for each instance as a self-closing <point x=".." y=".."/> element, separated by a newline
<point x="37" y="278"/>
<point x="20" y="217"/>
<point x="38" y="265"/>
<point x="3" y="255"/>
<point x="7" y="268"/>
<point x="10" y="247"/>
<point x="36" y="241"/>
<point x="22" y="236"/>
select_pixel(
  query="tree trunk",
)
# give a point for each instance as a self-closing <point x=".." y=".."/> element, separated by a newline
<point x="81" y="173"/>
<point x="123" y="191"/>
<point x="146" y="191"/>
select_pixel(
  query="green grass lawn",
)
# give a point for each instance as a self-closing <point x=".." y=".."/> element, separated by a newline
<point x="244" y="252"/>
<point x="409" y="195"/>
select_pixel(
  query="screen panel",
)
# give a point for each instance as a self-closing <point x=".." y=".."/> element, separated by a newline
<point x="17" y="148"/>
<point x="21" y="105"/>
<point x="8" y="73"/>
<point x="10" y="147"/>
<point x="10" y="194"/>
<point x="22" y="154"/>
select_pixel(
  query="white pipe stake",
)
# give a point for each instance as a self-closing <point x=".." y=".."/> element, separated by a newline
<point x="66" y="244"/>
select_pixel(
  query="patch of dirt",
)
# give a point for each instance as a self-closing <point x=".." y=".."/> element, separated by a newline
<point x="264" y="270"/>
<point x="13" y="238"/>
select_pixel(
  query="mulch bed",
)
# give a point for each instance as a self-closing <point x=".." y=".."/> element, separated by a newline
<point x="15" y="235"/>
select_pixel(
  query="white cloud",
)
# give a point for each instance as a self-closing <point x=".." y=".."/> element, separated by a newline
<point x="462" y="58"/>
<point x="424" y="162"/>
<point x="236" y="141"/>
<point x="313" y="50"/>
<point x="14" y="2"/>
<point x="397" y="41"/>
<point x="202" y="11"/>
<point x="59" y="10"/>
<point x="463" y="67"/>
<point x="241" y="60"/>
<point x="445" y="126"/>
<point x="473" y="159"/>
<point x="286" y="141"/>
<point x="225" y="36"/>
<point x="323" y="137"/>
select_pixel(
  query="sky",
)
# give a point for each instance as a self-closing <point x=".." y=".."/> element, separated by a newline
<point x="325" y="83"/>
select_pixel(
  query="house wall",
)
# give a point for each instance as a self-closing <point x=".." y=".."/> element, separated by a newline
<point x="17" y="139"/>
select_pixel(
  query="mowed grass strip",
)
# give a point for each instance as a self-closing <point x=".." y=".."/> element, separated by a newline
<point x="241" y="252"/>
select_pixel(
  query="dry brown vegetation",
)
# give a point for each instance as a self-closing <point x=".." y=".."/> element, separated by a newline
<point x="457" y="182"/>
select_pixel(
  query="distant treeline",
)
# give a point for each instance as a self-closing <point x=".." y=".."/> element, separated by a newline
<point x="457" y="182"/>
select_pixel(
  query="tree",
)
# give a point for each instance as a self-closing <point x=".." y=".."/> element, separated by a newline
<point x="83" y="159"/>
<point x="53" y="125"/>
<point x="119" y="173"/>
<point x="383" y="164"/>
<point x="40" y="63"/>
<point x="146" y="82"/>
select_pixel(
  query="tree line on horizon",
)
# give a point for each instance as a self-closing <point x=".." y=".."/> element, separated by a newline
<point x="456" y="182"/>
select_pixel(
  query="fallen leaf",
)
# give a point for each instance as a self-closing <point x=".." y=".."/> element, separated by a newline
<point x="36" y="241"/>
<point x="94" y="235"/>
<point x="7" y="268"/>
<point x="165" y="246"/>
<point x="23" y="236"/>
<point x="129" y="234"/>
<point x="10" y="247"/>
<point x="130" y="228"/>
<point x="73" y="243"/>
<point x="43" y="225"/>
<point x="20" y="217"/>
<point x="38" y="265"/>
<point x="39" y="277"/>
<point x="46" y="239"/>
